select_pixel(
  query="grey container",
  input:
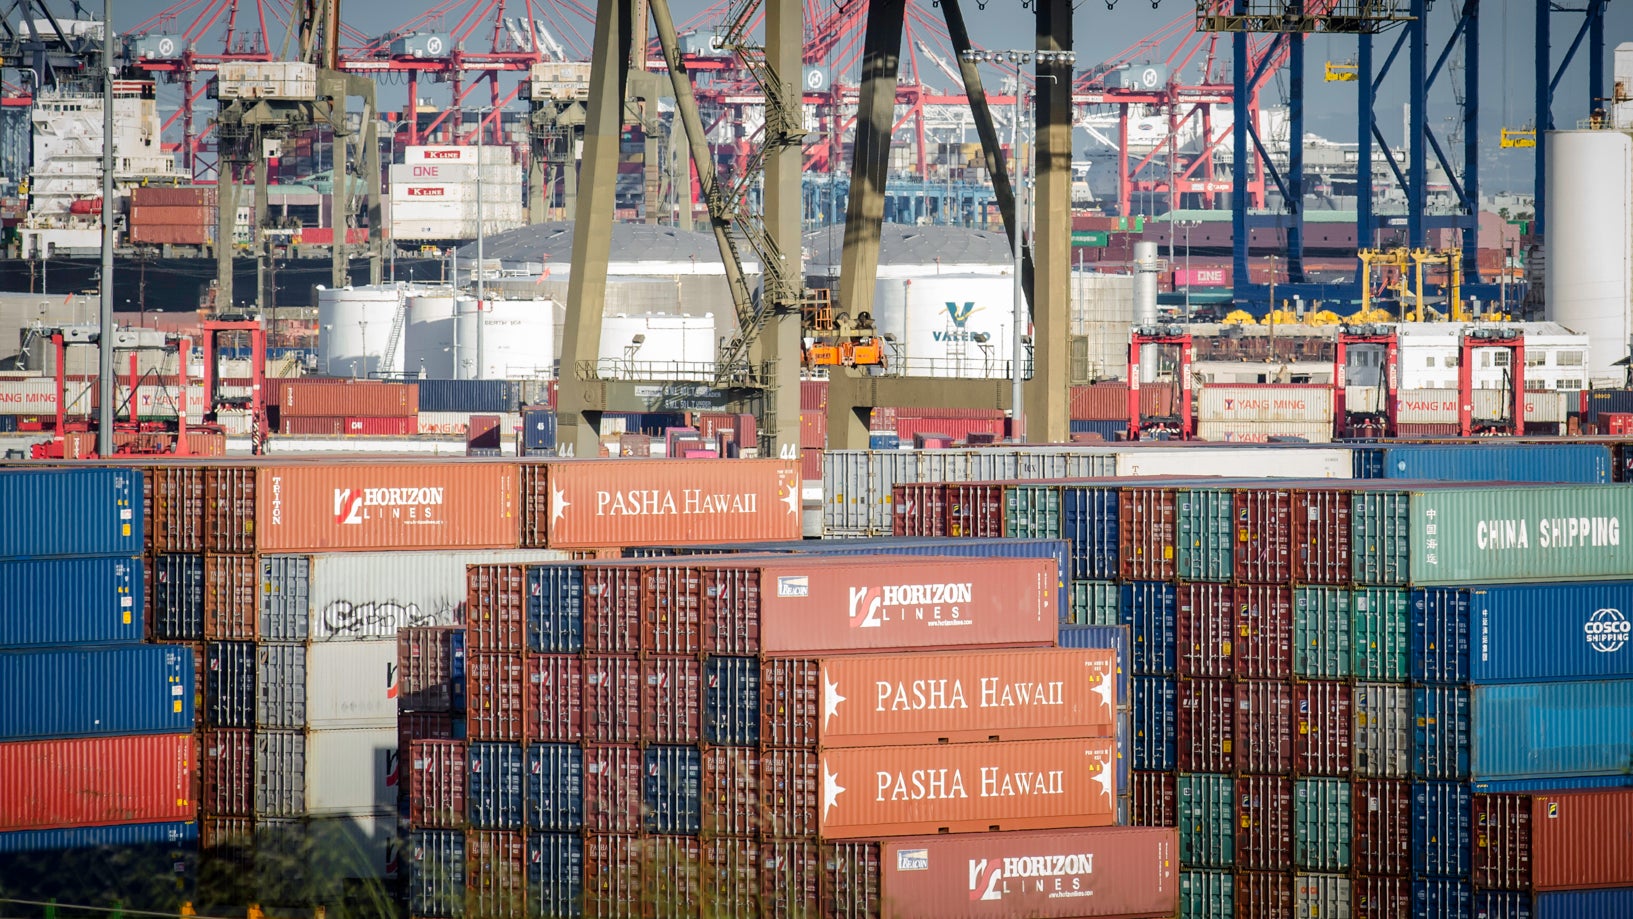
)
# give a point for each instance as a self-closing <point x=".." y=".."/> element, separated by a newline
<point x="1324" y="895"/>
<point x="280" y="774"/>
<point x="280" y="685"/>
<point x="1382" y="743"/>
<point x="286" y="602"/>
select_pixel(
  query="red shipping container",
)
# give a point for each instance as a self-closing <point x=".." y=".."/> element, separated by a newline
<point x="882" y="420"/>
<point x="612" y="608"/>
<point x="1560" y="840"/>
<point x="173" y="235"/>
<point x="612" y="699"/>
<point x="173" y="196"/>
<point x="1114" y="871"/>
<point x="790" y="702"/>
<point x="1109" y="401"/>
<point x="968" y="696"/>
<point x="731" y="610"/>
<point x="1426" y="429"/>
<point x="670" y="501"/>
<point x="1321" y="537"/>
<point x="227" y="773"/>
<point x="1147" y="523"/>
<point x="813" y="395"/>
<point x="1264" y="726"/>
<point x="229" y="509"/>
<point x="790" y="878"/>
<point x="921" y="509"/>
<point x="612" y="788"/>
<point x="966" y="788"/>
<point x="496" y="608"/>
<point x="850" y="879"/>
<point x="791" y="792"/>
<point x="386" y="505"/>
<point x="554" y="699"/>
<point x="232" y="597"/>
<point x="1321" y="743"/>
<point x="1264" y="535"/>
<point x="95" y="781"/>
<point x="672" y="599"/>
<point x="1205" y="629"/>
<point x="1380" y="897"/>
<point x="1153" y="799"/>
<point x="811" y="464"/>
<point x="954" y="429"/>
<point x="1206" y="726"/>
<point x="731" y="878"/>
<point x="1264" y="895"/>
<point x="412" y="726"/>
<point x="671" y="876"/>
<point x="612" y="875"/>
<point x="437" y="784"/>
<point x="495" y="690"/>
<point x="496" y="874"/>
<point x="1382" y="819"/>
<point x="349" y="425"/>
<point x="348" y="398"/>
<point x="731" y="791"/>
<point x="671" y="700"/>
<point x="1264" y="822"/>
<point x="1616" y="422"/>
<point x="975" y="509"/>
<point x="425" y="668"/>
<point x="177" y="508"/>
<point x="1264" y="632"/>
<point x="813" y="429"/>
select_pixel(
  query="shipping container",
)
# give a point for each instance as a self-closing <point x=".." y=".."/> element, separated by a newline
<point x="1127" y="871"/>
<point x="1441" y="832"/>
<point x="352" y="771"/>
<point x="178" y="597"/>
<point x="280" y="685"/>
<point x="1155" y="702"/>
<point x="612" y="699"/>
<point x="404" y="505"/>
<point x="671" y="708"/>
<point x="1517" y="533"/>
<point x="71" y="601"/>
<point x="1285" y="404"/>
<point x="1383" y="897"/>
<point x="1093" y="603"/>
<point x="1494" y="634"/>
<point x="1383" y="730"/>
<point x="596" y="503"/>
<point x="331" y="397"/>
<point x="1493" y="461"/>
<point x="1264" y="535"/>
<point x="1573" y="904"/>
<point x="1378" y="639"/>
<point x="436" y="873"/>
<point x="1327" y="895"/>
<point x="1263" y="894"/>
<point x="496" y="608"/>
<point x="791" y="792"/>
<point x="1153" y="799"/>
<point x="730" y="783"/>
<point x="613" y="599"/>
<point x="1206" y="726"/>
<point x="1206" y="534"/>
<point x="280" y="773"/>
<point x="1559" y="840"/>
<point x="227" y="772"/>
<point x="791" y="703"/>
<point x="1322" y="728"/>
<point x="63" y="783"/>
<point x="1207" y="895"/>
<point x="1150" y="607"/>
<point x="495" y="696"/>
<point x="672" y="789"/>
<point x="553" y="698"/>
<point x="1441" y="898"/>
<point x="1148" y="532"/>
<point x="436" y="783"/>
<point x="1264" y="731"/>
<point x="1264" y="823"/>
<point x="1264" y="631"/>
<point x="612" y="788"/>
<point x="891" y="700"/>
<point x="352" y="684"/>
<point x="178" y="834"/>
<point x="731" y="701"/>
<point x="612" y="877"/>
<point x="555" y="874"/>
<point x="229" y="684"/>
<point x="1588" y="729"/>
<point x="431" y="669"/>
<point x="1322" y="821"/>
<point x="1381" y="812"/>
<point x="1207" y="820"/>
<point x="1322" y="628"/>
<point x="498" y="786"/>
<point x="95" y="511"/>
<point x="1205" y="630"/>
<point x="81" y="692"/>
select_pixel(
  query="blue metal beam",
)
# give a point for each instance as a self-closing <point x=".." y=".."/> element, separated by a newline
<point x="1417" y="122"/>
<point x="1389" y="156"/>
<point x="1544" y="120"/>
<point x="1293" y="193"/>
<point x="1383" y="72"/>
<point x="1364" y="129"/>
<point x="1238" y="166"/>
<point x="1470" y="26"/>
<point x="1446" y="164"/>
<point x="1596" y="51"/>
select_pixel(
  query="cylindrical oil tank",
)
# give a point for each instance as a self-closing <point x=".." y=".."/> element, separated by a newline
<point x="658" y="347"/>
<point x="504" y="339"/>
<point x="428" y="345"/>
<point x="355" y="326"/>
<point x="950" y="325"/>
<point x="1589" y="227"/>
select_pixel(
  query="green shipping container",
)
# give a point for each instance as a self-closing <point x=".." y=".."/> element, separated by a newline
<point x="1379" y="537"/>
<point x="1516" y="533"/>
<point x="1321" y="632"/>
<point x="1032" y="512"/>
<point x="1321" y="825"/>
<point x="1207" y="820"/>
<point x="1207" y="531"/>
<point x="1378" y="643"/>
<point x="1094" y="603"/>
<point x="1207" y="895"/>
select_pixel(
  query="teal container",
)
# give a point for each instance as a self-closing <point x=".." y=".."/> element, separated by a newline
<point x="1207" y="531"/>
<point x="1380" y="650"/>
<point x="1321" y="633"/>
<point x="1321" y="825"/>
<point x="1207" y="820"/>
<point x="1380" y="538"/>
<point x="1094" y="603"/>
<point x="1032" y="511"/>
<point x="1207" y="895"/>
<point x="1520" y="533"/>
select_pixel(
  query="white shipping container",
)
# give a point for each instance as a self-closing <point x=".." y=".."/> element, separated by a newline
<point x="352" y="771"/>
<point x="38" y="396"/>
<point x="493" y="193"/>
<point x="453" y="209"/>
<point x="449" y="229"/>
<point x="266" y="80"/>
<point x="1258" y="432"/>
<point x="368" y="596"/>
<point x="161" y="401"/>
<point x="1303" y="404"/>
<point x="1540" y="407"/>
<point x="1427" y="406"/>
<point x="559" y="80"/>
<point x="462" y="154"/>
<point x="351" y="684"/>
<point x="1235" y="462"/>
<point x="432" y="173"/>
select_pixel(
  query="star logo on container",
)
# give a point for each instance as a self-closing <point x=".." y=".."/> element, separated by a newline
<point x="349" y="506"/>
<point x="831" y="790"/>
<point x="791" y="495"/>
<point x="1103" y="690"/>
<point x="1103" y="776"/>
<point x="558" y="504"/>
<point x="830" y="700"/>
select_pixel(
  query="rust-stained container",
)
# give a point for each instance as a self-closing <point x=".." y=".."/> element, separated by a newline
<point x="229" y="509"/>
<point x="495" y="689"/>
<point x="791" y="789"/>
<point x="968" y="696"/>
<point x="791" y="703"/>
<point x="1264" y="895"/>
<point x="1207" y="726"/>
<point x="1264" y="726"/>
<point x="1264" y="535"/>
<point x="1381" y="813"/>
<point x="731" y="792"/>
<point x="96" y="781"/>
<point x="1148" y="521"/>
<point x="1321" y="536"/>
<point x="437" y="784"/>
<point x="612" y="699"/>
<point x="670" y="876"/>
<point x="1324" y="724"/>
<point x="1153" y="799"/>
<point x="328" y="397"/>
<point x="227" y="772"/>
<point x="669" y="502"/>
<point x="428" y="660"/>
<point x="1264" y="822"/>
<point x="177" y="507"/>
<point x="921" y="509"/>
<point x="232" y="598"/>
<point x="401" y="505"/>
<point x="496" y="608"/>
<point x="1561" y="840"/>
<point x="790" y="877"/>
<point x="850" y="878"/>
<point x="671" y="707"/>
<point x="942" y="788"/>
<point x="1113" y="871"/>
<point x="553" y="698"/>
<point x="975" y="509"/>
<point x="612" y="876"/>
<point x="730" y="878"/>
<point x="1264" y="632"/>
<point x="496" y="874"/>
<point x="1205" y="630"/>
<point x="612" y="788"/>
<point x="672" y="614"/>
<point x="612" y="608"/>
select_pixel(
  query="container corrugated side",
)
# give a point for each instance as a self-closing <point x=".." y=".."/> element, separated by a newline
<point x="180" y="833"/>
<point x="403" y="505"/>
<point x="71" y="601"/>
<point x="1572" y="904"/>
<point x="67" y="692"/>
<point x="618" y="502"/>
<point x="352" y="771"/>
<point x="1528" y="730"/>
<point x="498" y="784"/>
<point x="1321" y="825"/>
<point x="436" y="873"/>
<point x="1235" y="462"/>
<point x="1553" y="841"/>
<point x="351" y="684"/>
<point x="280" y="685"/>
<point x="95" y="511"/>
<point x="1486" y="462"/>
<point x="1207" y="820"/>
<point x="1520" y="533"/>
<point x="555" y="874"/>
<point x="1383" y="730"/>
<point x="1441" y="831"/>
<point x="1497" y="634"/>
<point x="58" y="784"/>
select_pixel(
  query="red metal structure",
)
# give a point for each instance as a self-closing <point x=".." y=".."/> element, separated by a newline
<point x="1369" y="421"/>
<point x="1510" y="340"/>
<point x="253" y="334"/>
<point x="57" y="447"/>
<point x="1181" y="425"/>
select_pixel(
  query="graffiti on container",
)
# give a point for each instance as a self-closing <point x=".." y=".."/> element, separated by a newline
<point x="385" y="617"/>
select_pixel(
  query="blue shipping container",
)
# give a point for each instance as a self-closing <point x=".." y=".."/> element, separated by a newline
<point x="1115" y="637"/>
<point x="1441" y="899"/>
<point x="1156" y="730"/>
<point x="1568" y="783"/>
<point x="1607" y="400"/>
<point x="481" y="396"/>
<point x="1546" y="730"/>
<point x="672" y="790"/>
<point x="436" y="873"/>
<point x="1440" y="732"/>
<point x="878" y="441"/>
<point x="1089" y="522"/>
<point x="1108" y="430"/>
<point x="497" y="798"/>
<point x="555" y="875"/>
<point x="555" y="609"/>
<point x="1485" y="462"/>
<point x="178" y="598"/>
<point x="181" y="835"/>
<point x="1151" y="609"/>
<point x="731" y="711"/>
<point x="538" y="429"/>
<point x="80" y="511"/>
<point x="229" y="684"/>
<point x="1563" y="904"/>
<point x="1440" y="829"/>
<point x="96" y="691"/>
<point x="555" y="787"/>
<point x="70" y="601"/>
<point x="1522" y="632"/>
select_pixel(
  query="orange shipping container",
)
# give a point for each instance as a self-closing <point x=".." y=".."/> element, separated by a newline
<point x="371" y="398"/>
<point x="429" y="505"/>
<point x="670" y="501"/>
<point x="968" y="788"/>
<point x="968" y="696"/>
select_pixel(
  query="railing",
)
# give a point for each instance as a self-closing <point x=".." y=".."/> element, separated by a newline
<point x="673" y="371"/>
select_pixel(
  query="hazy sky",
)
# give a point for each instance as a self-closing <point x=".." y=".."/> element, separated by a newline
<point x="1506" y="63"/>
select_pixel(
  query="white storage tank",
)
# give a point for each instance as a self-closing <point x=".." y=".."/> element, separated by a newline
<point x="428" y="339"/>
<point x="504" y="339"/>
<point x="355" y="326"/>
<point x="655" y="347"/>
<point x="1589" y="227"/>
<point x="951" y="325"/>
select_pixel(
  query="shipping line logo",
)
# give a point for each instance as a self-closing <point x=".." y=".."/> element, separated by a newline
<point x="933" y="604"/>
<point x="354" y="506"/>
<point x="1054" y="875"/>
<point x="960" y="314"/>
<point x="1607" y="630"/>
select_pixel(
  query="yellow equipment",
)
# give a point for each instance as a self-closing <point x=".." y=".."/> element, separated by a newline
<point x="1518" y="137"/>
<point x="1342" y="73"/>
<point x="835" y="340"/>
<point x="1408" y="265"/>
<point x="1239" y="317"/>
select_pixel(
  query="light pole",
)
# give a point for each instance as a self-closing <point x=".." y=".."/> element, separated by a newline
<point x="1189" y="278"/>
<point x="391" y="243"/>
<point x="481" y="232"/>
<point x="1017" y="375"/>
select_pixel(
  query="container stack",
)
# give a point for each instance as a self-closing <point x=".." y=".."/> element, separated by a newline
<point x="763" y="735"/>
<point x="96" y="742"/>
<point x="349" y="407"/>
